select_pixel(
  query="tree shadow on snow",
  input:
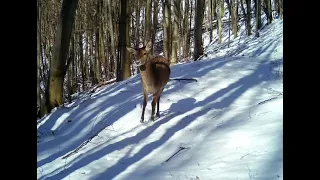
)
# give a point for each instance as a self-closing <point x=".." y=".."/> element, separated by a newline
<point x="260" y="75"/>
<point x="175" y="110"/>
<point x="129" y="94"/>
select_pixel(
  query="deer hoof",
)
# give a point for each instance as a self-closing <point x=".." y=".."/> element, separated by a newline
<point x="141" y="120"/>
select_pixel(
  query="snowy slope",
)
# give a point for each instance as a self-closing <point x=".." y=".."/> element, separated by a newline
<point x="229" y="123"/>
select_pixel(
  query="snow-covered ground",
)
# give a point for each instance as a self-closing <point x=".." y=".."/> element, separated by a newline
<point x="228" y="125"/>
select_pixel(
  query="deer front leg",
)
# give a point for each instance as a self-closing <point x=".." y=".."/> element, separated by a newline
<point x="145" y="98"/>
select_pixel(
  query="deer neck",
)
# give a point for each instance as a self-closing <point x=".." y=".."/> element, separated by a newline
<point x="143" y="67"/>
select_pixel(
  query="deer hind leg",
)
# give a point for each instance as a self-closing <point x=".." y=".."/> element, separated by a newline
<point x="145" y="98"/>
<point x="153" y="104"/>
<point x="158" y="102"/>
<point x="155" y="101"/>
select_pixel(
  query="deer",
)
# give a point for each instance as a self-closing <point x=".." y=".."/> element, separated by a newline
<point x="155" y="73"/>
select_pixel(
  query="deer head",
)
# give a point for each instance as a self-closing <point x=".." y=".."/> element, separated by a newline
<point x="142" y="55"/>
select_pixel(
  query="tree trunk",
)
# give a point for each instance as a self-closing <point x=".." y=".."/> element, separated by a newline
<point x="255" y="8"/>
<point x="220" y="15"/>
<point x="70" y="79"/>
<point x="124" y="40"/>
<point x="60" y="52"/>
<point x="112" y="38"/>
<point x="87" y="59"/>
<point x="189" y="36"/>
<point x="186" y="32"/>
<point x="175" y="31"/>
<point x="258" y="17"/>
<point x="214" y="8"/>
<point x="147" y="26"/>
<point x="69" y="82"/>
<point x="167" y="29"/>
<point x="248" y="17"/>
<point x="229" y="6"/>
<point x="74" y="61"/>
<point x="281" y="8"/>
<point x="101" y="36"/>
<point x="38" y="58"/>
<point x="82" y="63"/>
<point x="97" y="63"/>
<point x="210" y="19"/>
<point x="92" y="59"/>
<point x="229" y="30"/>
<point x="198" y="44"/>
<point x="267" y="10"/>
<point x="277" y="7"/>
<point x="155" y="23"/>
<point x="234" y="5"/>
<point x="244" y="12"/>
<point x="137" y="25"/>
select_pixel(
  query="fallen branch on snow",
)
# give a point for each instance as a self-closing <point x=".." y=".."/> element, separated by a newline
<point x="180" y="148"/>
<point x="262" y="102"/>
<point x="183" y="79"/>
<point x="83" y="144"/>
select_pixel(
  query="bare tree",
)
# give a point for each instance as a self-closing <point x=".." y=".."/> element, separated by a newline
<point x="248" y="17"/>
<point x="124" y="41"/>
<point x="112" y="37"/>
<point x="38" y="58"/>
<point x="212" y="10"/>
<point x="220" y="14"/>
<point x="100" y="39"/>
<point x="281" y="8"/>
<point x="137" y="37"/>
<point x="167" y="29"/>
<point x="97" y="60"/>
<point x="155" y="22"/>
<point x="198" y="44"/>
<point x="234" y="14"/>
<point x="268" y="10"/>
<point x="186" y="30"/>
<point x="58" y="65"/>
<point x="258" y="16"/>
<point x="175" y="31"/>
<point x="147" y="27"/>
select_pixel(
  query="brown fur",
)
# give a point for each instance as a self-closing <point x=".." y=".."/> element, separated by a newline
<point x="155" y="73"/>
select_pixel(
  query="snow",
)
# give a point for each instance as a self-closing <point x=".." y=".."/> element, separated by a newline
<point x="229" y="122"/>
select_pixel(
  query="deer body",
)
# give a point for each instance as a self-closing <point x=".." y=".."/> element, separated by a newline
<point x="155" y="73"/>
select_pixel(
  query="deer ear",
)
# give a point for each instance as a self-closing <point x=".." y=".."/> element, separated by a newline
<point x="148" y="46"/>
<point x="131" y="50"/>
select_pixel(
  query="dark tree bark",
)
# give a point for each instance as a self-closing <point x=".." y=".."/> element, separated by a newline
<point x="155" y="23"/>
<point x="167" y="29"/>
<point x="38" y="58"/>
<point x="124" y="41"/>
<point x="220" y="5"/>
<point x="258" y="16"/>
<point x="198" y="44"/>
<point x="186" y="27"/>
<point x="58" y="65"/>
<point x="147" y="18"/>
<point x="175" y="31"/>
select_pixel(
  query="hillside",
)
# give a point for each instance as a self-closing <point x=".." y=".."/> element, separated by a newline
<point x="228" y="125"/>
